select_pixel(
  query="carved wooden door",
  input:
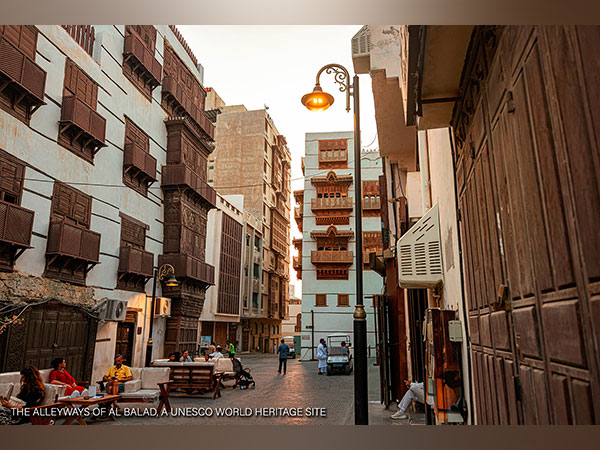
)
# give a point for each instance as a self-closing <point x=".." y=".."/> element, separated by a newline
<point x="528" y="175"/>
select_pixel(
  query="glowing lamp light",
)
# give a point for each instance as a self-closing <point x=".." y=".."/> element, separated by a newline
<point x="172" y="281"/>
<point x="317" y="100"/>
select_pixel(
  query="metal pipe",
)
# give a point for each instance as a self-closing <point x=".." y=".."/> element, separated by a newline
<point x="312" y="326"/>
<point x="424" y="169"/>
<point x="149" y="344"/>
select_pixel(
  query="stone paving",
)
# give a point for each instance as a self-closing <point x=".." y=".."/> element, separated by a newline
<point x="301" y="387"/>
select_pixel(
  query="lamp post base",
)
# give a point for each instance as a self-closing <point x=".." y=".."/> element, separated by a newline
<point x="361" y="391"/>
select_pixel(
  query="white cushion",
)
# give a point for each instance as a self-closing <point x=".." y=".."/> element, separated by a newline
<point x="151" y="376"/>
<point x="136" y="372"/>
<point x="11" y="377"/>
<point x="45" y="374"/>
<point x="52" y="391"/>
<point x="224" y="365"/>
<point x="6" y="389"/>
<point x="133" y="385"/>
<point x="146" y="394"/>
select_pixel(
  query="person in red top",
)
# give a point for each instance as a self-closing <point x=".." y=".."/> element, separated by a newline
<point x="60" y="376"/>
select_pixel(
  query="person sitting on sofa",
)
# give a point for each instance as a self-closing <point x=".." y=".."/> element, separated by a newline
<point x="185" y="357"/>
<point x="61" y="377"/>
<point x="116" y="376"/>
<point x="217" y="354"/>
<point x="172" y="357"/>
<point x="31" y="394"/>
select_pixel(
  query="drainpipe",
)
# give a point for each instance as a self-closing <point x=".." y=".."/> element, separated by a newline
<point x="424" y="168"/>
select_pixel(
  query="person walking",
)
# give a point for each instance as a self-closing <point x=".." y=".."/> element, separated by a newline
<point x="230" y="348"/>
<point x="322" y="356"/>
<point x="283" y="351"/>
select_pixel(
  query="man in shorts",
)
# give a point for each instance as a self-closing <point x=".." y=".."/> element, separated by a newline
<point x="116" y="376"/>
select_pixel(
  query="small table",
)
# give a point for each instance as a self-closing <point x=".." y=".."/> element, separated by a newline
<point x="86" y="403"/>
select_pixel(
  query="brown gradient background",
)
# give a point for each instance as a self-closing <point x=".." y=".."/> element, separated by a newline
<point x="306" y="12"/>
<point x="359" y="12"/>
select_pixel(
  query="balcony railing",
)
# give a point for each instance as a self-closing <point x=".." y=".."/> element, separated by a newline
<point x="187" y="266"/>
<point x="23" y="72"/>
<point x="136" y="261"/>
<point x="65" y="239"/>
<point x="370" y="204"/>
<point x="331" y="257"/>
<point x="135" y="48"/>
<point x="173" y="88"/>
<point x="75" y="112"/>
<point x="136" y="157"/>
<point x="16" y="225"/>
<point x="319" y="204"/>
<point x="182" y="175"/>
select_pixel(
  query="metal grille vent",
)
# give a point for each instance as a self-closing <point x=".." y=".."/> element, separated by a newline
<point x="420" y="262"/>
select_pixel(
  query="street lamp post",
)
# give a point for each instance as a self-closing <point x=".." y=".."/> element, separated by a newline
<point x="320" y="101"/>
<point x="166" y="274"/>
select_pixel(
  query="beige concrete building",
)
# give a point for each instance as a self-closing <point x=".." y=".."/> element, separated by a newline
<point x="252" y="158"/>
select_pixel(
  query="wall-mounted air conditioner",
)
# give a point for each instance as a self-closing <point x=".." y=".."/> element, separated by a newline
<point x="419" y="253"/>
<point x="114" y="310"/>
<point x="162" y="307"/>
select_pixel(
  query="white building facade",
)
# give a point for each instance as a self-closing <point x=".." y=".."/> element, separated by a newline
<point x="328" y="248"/>
<point x="86" y="149"/>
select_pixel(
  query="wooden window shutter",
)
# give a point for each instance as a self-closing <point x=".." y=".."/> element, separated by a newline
<point x="343" y="300"/>
<point x="71" y="204"/>
<point x="146" y="33"/>
<point x="135" y="135"/>
<point x="78" y="83"/>
<point x="370" y="188"/>
<point x="11" y="179"/>
<point x="321" y="300"/>
<point x="22" y="36"/>
<point x="133" y="233"/>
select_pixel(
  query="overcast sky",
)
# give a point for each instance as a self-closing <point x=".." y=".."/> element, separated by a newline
<point x="275" y="66"/>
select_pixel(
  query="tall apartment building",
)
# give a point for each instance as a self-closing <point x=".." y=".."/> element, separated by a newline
<point x="326" y="260"/>
<point x="225" y="251"/>
<point x="104" y="146"/>
<point x="252" y="158"/>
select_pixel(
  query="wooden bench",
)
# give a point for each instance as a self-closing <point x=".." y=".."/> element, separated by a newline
<point x="190" y="377"/>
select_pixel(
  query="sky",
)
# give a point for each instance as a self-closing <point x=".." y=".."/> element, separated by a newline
<point x="275" y="66"/>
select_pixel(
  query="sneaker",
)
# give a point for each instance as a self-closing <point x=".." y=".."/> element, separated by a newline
<point x="399" y="416"/>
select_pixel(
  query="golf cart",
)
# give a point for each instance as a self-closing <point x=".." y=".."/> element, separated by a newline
<point x="289" y="340"/>
<point x="339" y="359"/>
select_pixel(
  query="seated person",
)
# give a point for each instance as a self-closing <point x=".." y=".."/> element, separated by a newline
<point x="344" y="349"/>
<point x="217" y="354"/>
<point x="415" y="392"/>
<point x="31" y="394"/>
<point x="172" y="357"/>
<point x="116" y="376"/>
<point x="185" y="357"/>
<point x="61" y="377"/>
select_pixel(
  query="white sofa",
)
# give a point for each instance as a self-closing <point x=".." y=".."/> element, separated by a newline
<point x="10" y="384"/>
<point x="144" y="385"/>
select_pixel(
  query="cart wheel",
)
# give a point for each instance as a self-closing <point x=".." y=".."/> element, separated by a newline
<point x="329" y="371"/>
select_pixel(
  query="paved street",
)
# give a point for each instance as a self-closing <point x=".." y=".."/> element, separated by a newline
<point x="300" y="388"/>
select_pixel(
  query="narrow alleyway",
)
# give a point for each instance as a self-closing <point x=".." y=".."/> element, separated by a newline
<point x="300" y="388"/>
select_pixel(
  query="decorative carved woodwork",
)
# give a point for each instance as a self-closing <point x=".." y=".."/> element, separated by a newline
<point x="372" y="243"/>
<point x="139" y="167"/>
<point x="297" y="261"/>
<point x="22" y="81"/>
<point x="84" y="35"/>
<point x="279" y="233"/>
<point x="371" y="202"/>
<point x="139" y="64"/>
<point x="333" y="154"/>
<point x="72" y="249"/>
<point x="230" y="270"/>
<point x="16" y="223"/>
<point x="81" y="129"/>
<point x="332" y="258"/>
<point x="136" y="265"/>
<point x="332" y="206"/>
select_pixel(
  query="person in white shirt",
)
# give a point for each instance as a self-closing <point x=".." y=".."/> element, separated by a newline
<point x="322" y="356"/>
<point x="217" y="354"/>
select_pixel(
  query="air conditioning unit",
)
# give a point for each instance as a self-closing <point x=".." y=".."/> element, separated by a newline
<point x="114" y="310"/>
<point x="162" y="307"/>
<point x="361" y="50"/>
<point x="420" y="254"/>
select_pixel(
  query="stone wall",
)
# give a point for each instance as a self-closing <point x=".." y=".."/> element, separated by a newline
<point x="19" y="287"/>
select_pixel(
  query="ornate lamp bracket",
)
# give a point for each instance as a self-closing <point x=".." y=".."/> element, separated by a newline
<point x="341" y="77"/>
